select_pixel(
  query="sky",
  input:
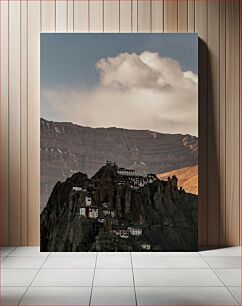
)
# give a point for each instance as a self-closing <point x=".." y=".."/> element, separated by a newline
<point x="135" y="81"/>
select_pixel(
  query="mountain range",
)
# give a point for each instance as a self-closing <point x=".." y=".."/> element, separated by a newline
<point x="67" y="148"/>
<point x="187" y="178"/>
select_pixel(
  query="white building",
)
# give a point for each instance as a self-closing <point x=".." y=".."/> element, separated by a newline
<point x="93" y="212"/>
<point x="126" y="172"/>
<point x="88" y="201"/>
<point x="109" y="212"/>
<point x="121" y="233"/>
<point x="141" y="184"/>
<point x="145" y="246"/>
<point x="77" y="188"/>
<point x="124" y="234"/>
<point x="90" y="212"/>
<point x="83" y="211"/>
<point x="112" y="213"/>
<point x="134" y="231"/>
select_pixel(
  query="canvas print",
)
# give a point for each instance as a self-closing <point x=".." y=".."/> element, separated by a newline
<point x="119" y="142"/>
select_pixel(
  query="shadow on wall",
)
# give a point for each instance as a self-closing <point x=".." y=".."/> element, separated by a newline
<point x="209" y="171"/>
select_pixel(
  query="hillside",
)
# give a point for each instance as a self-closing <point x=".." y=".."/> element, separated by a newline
<point x="187" y="178"/>
<point x="67" y="148"/>
<point x="166" y="215"/>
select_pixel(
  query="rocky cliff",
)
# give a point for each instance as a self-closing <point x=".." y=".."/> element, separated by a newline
<point x="67" y="148"/>
<point x="187" y="178"/>
<point x="166" y="214"/>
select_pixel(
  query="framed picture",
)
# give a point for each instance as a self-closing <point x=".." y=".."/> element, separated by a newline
<point x="119" y="142"/>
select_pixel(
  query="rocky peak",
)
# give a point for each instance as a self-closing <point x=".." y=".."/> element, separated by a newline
<point x="168" y="215"/>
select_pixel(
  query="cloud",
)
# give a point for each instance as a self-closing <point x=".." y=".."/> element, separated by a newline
<point x="137" y="91"/>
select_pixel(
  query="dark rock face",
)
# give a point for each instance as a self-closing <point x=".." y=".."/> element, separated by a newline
<point x="167" y="216"/>
<point x="67" y="148"/>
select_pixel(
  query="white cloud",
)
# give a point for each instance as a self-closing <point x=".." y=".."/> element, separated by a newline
<point x="135" y="91"/>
